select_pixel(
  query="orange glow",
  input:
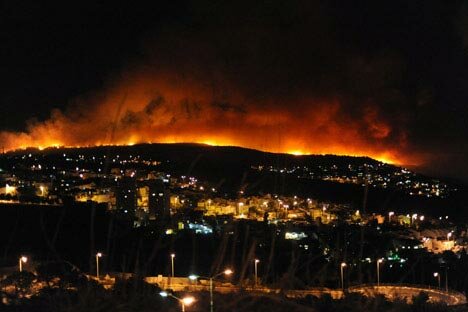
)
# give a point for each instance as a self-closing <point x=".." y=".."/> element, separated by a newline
<point x="296" y="153"/>
<point x="145" y="109"/>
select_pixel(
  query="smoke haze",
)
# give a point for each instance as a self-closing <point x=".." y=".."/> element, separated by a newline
<point x="304" y="77"/>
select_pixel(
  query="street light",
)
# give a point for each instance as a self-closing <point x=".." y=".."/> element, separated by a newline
<point x="342" y="266"/>
<point x="256" y="276"/>
<point x="379" y="261"/>
<point x="186" y="301"/>
<point x="239" y="206"/>
<point x="226" y="272"/>
<point x="22" y="260"/>
<point x="98" y="255"/>
<point x="172" y="263"/>
<point x="436" y="274"/>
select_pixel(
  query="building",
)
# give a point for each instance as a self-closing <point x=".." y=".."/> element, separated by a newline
<point x="158" y="200"/>
<point x="126" y="195"/>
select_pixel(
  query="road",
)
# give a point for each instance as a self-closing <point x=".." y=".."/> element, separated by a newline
<point x="390" y="291"/>
<point x="407" y="292"/>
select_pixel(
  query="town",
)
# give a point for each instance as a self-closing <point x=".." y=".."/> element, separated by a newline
<point x="136" y="186"/>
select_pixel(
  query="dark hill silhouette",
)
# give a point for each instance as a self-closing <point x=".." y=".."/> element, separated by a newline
<point x="230" y="169"/>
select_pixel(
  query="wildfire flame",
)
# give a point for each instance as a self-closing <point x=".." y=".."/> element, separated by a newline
<point x="171" y="110"/>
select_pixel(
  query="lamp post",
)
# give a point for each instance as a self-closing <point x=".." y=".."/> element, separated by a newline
<point x="437" y="275"/>
<point x="226" y="272"/>
<point x="256" y="275"/>
<point x="342" y="266"/>
<point x="186" y="301"/>
<point x="98" y="255"/>
<point x="239" y="208"/>
<point x="379" y="261"/>
<point x="172" y="264"/>
<point x="22" y="260"/>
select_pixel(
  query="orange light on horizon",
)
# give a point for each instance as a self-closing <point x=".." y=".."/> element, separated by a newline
<point x="310" y="128"/>
<point x="296" y="153"/>
<point x="388" y="158"/>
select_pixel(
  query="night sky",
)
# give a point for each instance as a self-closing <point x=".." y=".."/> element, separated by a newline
<point x="359" y="77"/>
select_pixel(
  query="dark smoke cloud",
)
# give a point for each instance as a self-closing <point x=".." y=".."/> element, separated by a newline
<point x="313" y="76"/>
